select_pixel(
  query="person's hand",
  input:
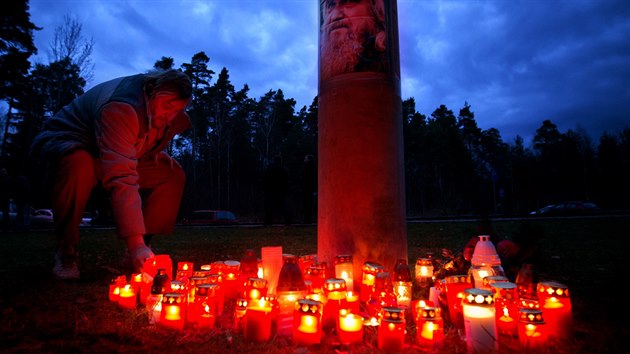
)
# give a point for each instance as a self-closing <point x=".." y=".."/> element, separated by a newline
<point x="139" y="255"/>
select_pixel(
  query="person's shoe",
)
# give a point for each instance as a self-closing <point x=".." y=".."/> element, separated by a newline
<point x="66" y="268"/>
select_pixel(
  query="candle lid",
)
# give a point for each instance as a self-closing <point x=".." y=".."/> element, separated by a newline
<point x="553" y="288"/>
<point x="489" y="280"/>
<point x="173" y="298"/>
<point x="457" y="278"/>
<point x="308" y="306"/>
<point x="428" y="313"/>
<point x="177" y="285"/>
<point x="504" y="290"/>
<point x="335" y="284"/>
<point x="532" y="316"/>
<point x="393" y="314"/>
<point x="478" y="297"/>
<point x="343" y="258"/>
<point x="372" y="267"/>
<point x="206" y="290"/>
<point x="426" y="262"/>
<point x="241" y="303"/>
<point x="485" y="253"/>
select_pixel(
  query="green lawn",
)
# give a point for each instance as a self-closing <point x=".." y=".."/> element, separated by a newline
<point x="43" y="315"/>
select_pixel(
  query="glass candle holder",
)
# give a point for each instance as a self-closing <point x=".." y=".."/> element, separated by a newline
<point x="556" y="306"/>
<point x="424" y="272"/>
<point x="391" y="331"/>
<point x="249" y="265"/>
<point x="505" y="307"/>
<point x="532" y="333"/>
<point x="239" y="312"/>
<point x="485" y="262"/>
<point x="127" y="298"/>
<point x="231" y="276"/>
<point x="291" y="288"/>
<point x="352" y="301"/>
<point x="255" y="288"/>
<point x="306" y="261"/>
<point x="403" y="285"/>
<point x="479" y="320"/>
<point x="370" y="269"/>
<point x="184" y="271"/>
<point x="257" y="321"/>
<point x="114" y="287"/>
<point x="336" y="299"/>
<point x="350" y="328"/>
<point x="307" y="324"/>
<point x="454" y="286"/>
<point x="527" y="281"/>
<point x="429" y="327"/>
<point x="316" y="274"/>
<point x="382" y="295"/>
<point x="159" y="261"/>
<point x="206" y="305"/>
<point x="172" y="315"/>
<point x="344" y="269"/>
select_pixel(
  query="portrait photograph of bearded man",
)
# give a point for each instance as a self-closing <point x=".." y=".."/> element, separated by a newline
<point x="353" y="37"/>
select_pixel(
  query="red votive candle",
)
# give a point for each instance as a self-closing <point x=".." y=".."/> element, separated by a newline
<point x="391" y="332"/>
<point x="370" y="269"/>
<point x="532" y="333"/>
<point x="128" y="299"/>
<point x="556" y="307"/>
<point x="307" y="324"/>
<point x="172" y="315"/>
<point x="257" y="321"/>
<point x="429" y="327"/>
<point x="350" y="328"/>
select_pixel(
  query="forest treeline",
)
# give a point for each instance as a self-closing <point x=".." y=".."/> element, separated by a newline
<point x="452" y="166"/>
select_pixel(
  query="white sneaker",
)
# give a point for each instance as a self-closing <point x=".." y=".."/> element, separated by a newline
<point x="66" y="268"/>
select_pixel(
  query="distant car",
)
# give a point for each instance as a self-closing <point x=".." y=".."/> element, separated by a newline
<point x="211" y="217"/>
<point x="45" y="217"/>
<point x="42" y="217"/>
<point x="570" y="208"/>
<point x="87" y="218"/>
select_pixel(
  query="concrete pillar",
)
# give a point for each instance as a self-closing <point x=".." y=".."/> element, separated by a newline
<point x="361" y="192"/>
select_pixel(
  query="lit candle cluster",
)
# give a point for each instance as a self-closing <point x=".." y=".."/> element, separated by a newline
<point x="302" y="298"/>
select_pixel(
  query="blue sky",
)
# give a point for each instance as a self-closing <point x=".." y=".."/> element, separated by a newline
<point x="516" y="62"/>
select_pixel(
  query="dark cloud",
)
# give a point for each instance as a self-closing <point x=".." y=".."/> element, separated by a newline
<point x="516" y="63"/>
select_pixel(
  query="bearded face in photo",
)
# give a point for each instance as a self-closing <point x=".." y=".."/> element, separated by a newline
<point x="349" y="41"/>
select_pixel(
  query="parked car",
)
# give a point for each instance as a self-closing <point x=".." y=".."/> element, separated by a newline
<point x="45" y="217"/>
<point x="569" y="208"/>
<point x="42" y="217"/>
<point x="211" y="217"/>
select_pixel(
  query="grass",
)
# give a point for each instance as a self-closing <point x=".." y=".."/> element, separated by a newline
<point x="46" y="316"/>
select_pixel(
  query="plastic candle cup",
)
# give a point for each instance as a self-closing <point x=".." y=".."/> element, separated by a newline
<point x="350" y="328"/>
<point x="128" y="299"/>
<point x="391" y="332"/>
<point x="307" y="325"/>
<point x="370" y="269"/>
<point x="531" y="329"/>
<point x="455" y="286"/>
<point x="344" y="269"/>
<point x="172" y="314"/>
<point x="556" y="306"/>
<point x="257" y="321"/>
<point x="429" y="327"/>
<point x="479" y="320"/>
<point x="336" y="299"/>
<point x="505" y="307"/>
